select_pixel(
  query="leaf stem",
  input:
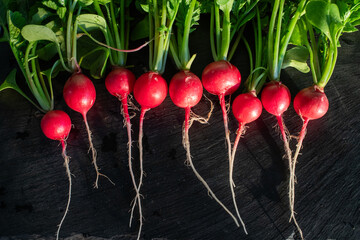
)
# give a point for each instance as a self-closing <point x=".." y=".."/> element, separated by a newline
<point x="185" y="52"/>
<point x="212" y="40"/>
<point x="271" y="52"/>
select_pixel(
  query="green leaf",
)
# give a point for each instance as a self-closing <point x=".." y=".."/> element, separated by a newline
<point x="10" y="83"/>
<point x="47" y="52"/>
<point x="50" y="4"/>
<point x="171" y="7"/>
<point x="103" y="2"/>
<point x="141" y="30"/>
<point x="34" y="33"/>
<point x="16" y="21"/>
<point x="40" y="15"/>
<point x="184" y="11"/>
<point x="61" y="12"/>
<point x="85" y="3"/>
<point x="296" y="57"/>
<point x="91" y="22"/>
<point x="225" y="5"/>
<point x="349" y="28"/>
<point x="299" y="35"/>
<point x="325" y="16"/>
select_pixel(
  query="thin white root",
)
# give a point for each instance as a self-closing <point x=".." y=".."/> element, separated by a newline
<point x="210" y="192"/>
<point x="94" y="155"/>
<point x="66" y="164"/>
<point x="227" y="136"/>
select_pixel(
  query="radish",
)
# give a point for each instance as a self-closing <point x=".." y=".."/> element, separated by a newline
<point x="220" y="77"/>
<point x="185" y="87"/>
<point x="79" y="94"/>
<point x="319" y="30"/>
<point x="150" y="88"/>
<point x="120" y="83"/>
<point x="276" y="96"/>
<point x="56" y="125"/>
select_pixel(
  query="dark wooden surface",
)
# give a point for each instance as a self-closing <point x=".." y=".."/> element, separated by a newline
<point x="33" y="183"/>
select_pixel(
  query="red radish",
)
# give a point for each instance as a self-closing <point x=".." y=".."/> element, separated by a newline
<point x="79" y="94"/>
<point x="56" y="125"/>
<point x="310" y="103"/>
<point x="276" y="99"/>
<point x="246" y="109"/>
<point x="150" y="91"/>
<point x="186" y="91"/>
<point x="120" y="83"/>
<point x="221" y="78"/>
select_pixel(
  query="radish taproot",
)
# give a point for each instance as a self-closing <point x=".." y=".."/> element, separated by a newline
<point x="56" y="125"/>
<point x="220" y="77"/>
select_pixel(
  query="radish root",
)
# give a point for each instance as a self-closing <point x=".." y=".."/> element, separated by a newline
<point x="227" y="136"/>
<point x="284" y="134"/>
<point x="66" y="164"/>
<point x="125" y="113"/>
<point x="137" y="189"/>
<point x="186" y="144"/>
<point x="94" y="155"/>
<point x="298" y="148"/>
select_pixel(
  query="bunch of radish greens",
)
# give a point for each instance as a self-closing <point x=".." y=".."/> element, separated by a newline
<point x="59" y="35"/>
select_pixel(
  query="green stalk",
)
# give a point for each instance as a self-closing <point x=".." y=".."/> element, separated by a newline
<point x="276" y="64"/>
<point x="225" y="38"/>
<point x="75" y="65"/>
<point x="161" y="42"/>
<point x="156" y="33"/>
<point x="314" y="50"/>
<point x="115" y="31"/>
<point x="174" y="54"/>
<point x="43" y="104"/>
<point x="127" y="36"/>
<point x="212" y="40"/>
<point x="185" y="52"/>
<point x="247" y="46"/>
<point x="329" y="67"/>
<point x="122" y="27"/>
<point x="271" y="39"/>
<point x="290" y="28"/>
<point x="151" y="36"/>
<point x="217" y="29"/>
<point x="98" y="9"/>
<point x="35" y="75"/>
<point x="69" y="31"/>
<point x="42" y="82"/>
<point x="236" y="44"/>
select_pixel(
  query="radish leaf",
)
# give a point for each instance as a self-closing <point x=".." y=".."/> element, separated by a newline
<point x="91" y="22"/>
<point x="34" y="33"/>
<point x="296" y="57"/>
<point x="326" y="17"/>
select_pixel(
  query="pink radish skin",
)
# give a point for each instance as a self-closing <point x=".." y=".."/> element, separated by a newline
<point x="221" y="78"/>
<point x="275" y="98"/>
<point x="310" y="103"/>
<point x="150" y="91"/>
<point x="120" y="83"/>
<point x="79" y="94"/>
<point x="56" y="125"/>
<point x="185" y="91"/>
